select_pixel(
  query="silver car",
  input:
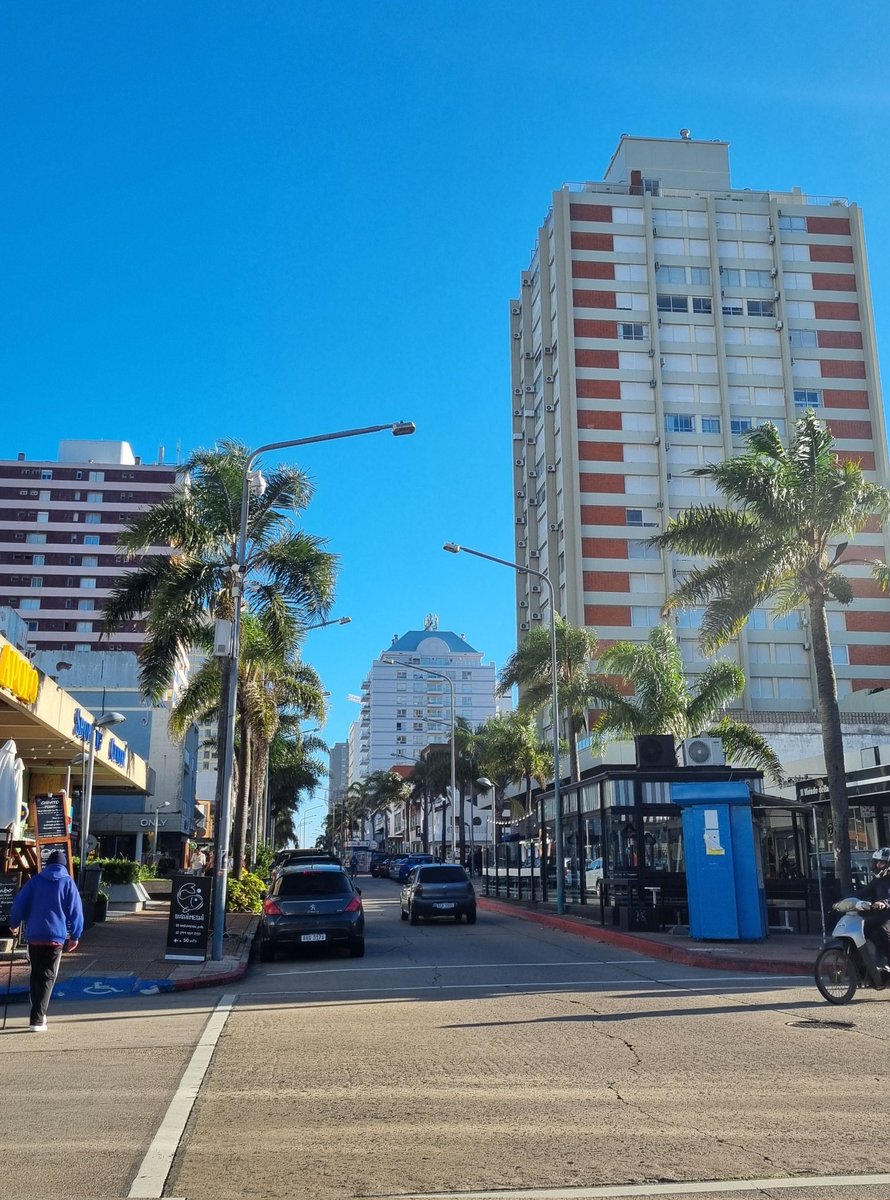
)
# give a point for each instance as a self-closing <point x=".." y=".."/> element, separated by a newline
<point x="438" y="890"/>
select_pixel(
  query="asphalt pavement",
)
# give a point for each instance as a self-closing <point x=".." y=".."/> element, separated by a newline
<point x="125" y="955"/>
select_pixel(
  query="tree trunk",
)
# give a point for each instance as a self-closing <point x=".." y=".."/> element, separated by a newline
<point x="220" y="835"/>
<point x="574" y="761"/>
<point x="832" y="742"/>
<point x="240" y="830"/>
<point x="257" y="800"/>
<point x="463" y="828"/>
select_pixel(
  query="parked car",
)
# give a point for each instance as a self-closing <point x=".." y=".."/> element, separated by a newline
<point x="313" y="904"/>
<point x="379" y="864"/>
<point x="437" y="890"/>
<point x="392" y="867"/>
<point x="406" y="864"/>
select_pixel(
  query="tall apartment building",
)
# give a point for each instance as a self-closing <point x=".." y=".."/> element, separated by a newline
<point x="404" y="709"/>
<point x="59" y="526"/>
<point x="663" y="314"/>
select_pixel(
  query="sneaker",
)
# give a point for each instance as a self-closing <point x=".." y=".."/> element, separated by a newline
<point x="37" y="1028"/>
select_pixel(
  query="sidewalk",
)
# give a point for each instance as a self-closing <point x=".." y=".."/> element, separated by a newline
<point x="780" y="954"/>
<point x="124" y="956"/>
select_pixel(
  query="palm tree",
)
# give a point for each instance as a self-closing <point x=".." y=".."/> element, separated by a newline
<point x="794" y="511"/>
<point x="663" y="702"/>
<point x="288" y="577"/>
<point x="530" y="667"/>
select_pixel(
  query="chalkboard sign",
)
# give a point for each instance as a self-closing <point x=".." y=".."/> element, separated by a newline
<point x="9" y="885"/>
<point x="188" y="926"/>
<point x="52" y="820"/>
<point x="48" y="848"/>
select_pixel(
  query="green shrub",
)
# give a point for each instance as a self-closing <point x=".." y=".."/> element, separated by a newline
<point x="117" y="870"/>
<point x="245" y="894"/>
<point x="264" y="856"/>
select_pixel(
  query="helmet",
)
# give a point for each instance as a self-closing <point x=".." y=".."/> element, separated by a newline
<point x="880" y="861"/>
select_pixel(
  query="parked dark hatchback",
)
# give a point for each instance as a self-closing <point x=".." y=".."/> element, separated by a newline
<point x="438" y="890"/>
<point x="379" y="864"/>
<point x="301" y="858"/>
<point x="316" y="904"/>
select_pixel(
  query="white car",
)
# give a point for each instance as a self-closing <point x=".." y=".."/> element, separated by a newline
<point x="593" y="877"/>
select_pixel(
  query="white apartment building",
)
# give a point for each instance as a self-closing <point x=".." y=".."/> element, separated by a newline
<point x="59" y="527"/>
<point x="663" y="314"/>
<point x="403" y="709"/>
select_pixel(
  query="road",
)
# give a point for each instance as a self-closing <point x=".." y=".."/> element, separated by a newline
<point x="500" y="1057"/>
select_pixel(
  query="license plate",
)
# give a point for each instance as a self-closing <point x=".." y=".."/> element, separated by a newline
<point x="443" y="906"/>
<point x="313" y="937"/>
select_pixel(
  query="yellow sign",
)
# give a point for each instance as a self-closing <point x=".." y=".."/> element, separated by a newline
<point x="17" y="674"/>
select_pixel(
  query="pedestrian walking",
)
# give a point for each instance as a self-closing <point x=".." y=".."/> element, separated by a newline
<point x="49" y="905"/>
<point x="199" y="862"/>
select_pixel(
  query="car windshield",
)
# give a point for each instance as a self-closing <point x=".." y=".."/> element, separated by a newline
<point x="313" y="883"/>
<point x="441" y="874"/>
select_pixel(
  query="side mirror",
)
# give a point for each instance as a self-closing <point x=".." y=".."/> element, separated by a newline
<point x="359" y="890"/>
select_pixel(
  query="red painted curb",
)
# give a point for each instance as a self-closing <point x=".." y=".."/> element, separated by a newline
<point x="189" y="985"/>
<point x="629" y="941"/>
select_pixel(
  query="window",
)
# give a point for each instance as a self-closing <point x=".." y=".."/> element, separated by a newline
<point x="84" y="627"/>
<point x="37" y="581"/>
<point x="802" y="337"/>
<point x="739" y="425"/>
<point x="726" y="220"/>
<point x="89" y="560"/>
<point x="733" y="308"/>
<point x="730" y="277"/>
<point x="626" y="244"/>
<point x="633" y="516"/>
<point x="29" y="602"/>
<point x="798" y="281"/>
<point x="677" y="362"/>
<point x="666" y="303"/>
<point x="840" y="655"/>
<point x="795" y="252"/>
<point x="44" y="496"/>
<point x="701" y="304"/>
<point x="87" y="582"/>
<point x="644" y="616"/>
<point x="646" y="582"/>
<point x="798" y="223"/>
<point x="755" y="279"/>
<point x="639" y="549"/>
<point x="670" y="274"/>
<point x="92" y="518"/>
<point x="36" y="539"/>
<point x="86" y="605"/>
<point x="631" y="301"/>
<point x="38" y="560"/>
<point x="804" y="309"/>
<point x="710" y="424"/>
<point x="736" y="365"/>
<point x="627" y="216"/>
<point x="761" y="308"/>
<point x="700" y="275"/>
<point x="679" y="423"/>
<point x="96" y="476"/>
<point x="807" y="398"/>
<point x="33" y="626"/>
<point x="42" y="518"/>
<point x="630" y="360"/>
<point x="91" y="539"/>
<point x="630" y="272"/>
<point x="632" y="331"/>
<point x="807" y="366"/>
<point x="675" y="333"/>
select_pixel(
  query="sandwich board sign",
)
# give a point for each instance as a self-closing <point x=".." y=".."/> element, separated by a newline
<point x="188" y="926"/>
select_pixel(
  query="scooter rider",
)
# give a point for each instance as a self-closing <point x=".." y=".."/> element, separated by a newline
<point x="878" y="892"/>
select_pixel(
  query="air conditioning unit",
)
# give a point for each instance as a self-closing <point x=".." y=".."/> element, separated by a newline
<point x="772" y="239"/>
<point x="520" y="520"/>
<point x="529" y="391"/>
<point x="536" y="587"/>
<point x="522" y="544"/>
<point x="519" y="462"/>
<point x="516" y="311"/>
<point x="703" y="752"/>
<point x="517" y="337"/>
<point x="657" y="264"/>
<point x="517" y="412"/>
<point x="524" y="626"/>
<point x="548" y="349"/>
<point x="653" y="383"/>
<point x="528" y="354"/>
<point x="550" y="379"/>
<point x="526" y="283"/>
<point x="537" y="617"/>
<point x="777" y="295"/>
<point x="520" y="495"/>
<point x="532" y="503"/>
<point x="773" y="272"/>
<point x="523" y="604"/>
<point x="517" y="437"/>
<point x="530" y="441"/>
<point x="651" y="351"/>
<point x="533" y="474"/>
<point x="534" y="553"/>
<point x="551" y="470"/>
<point x="554" y="526"/>
<point x="517" y="391"/>
<point x="550" y="407"/>
<point x="655" y="752"/>
<point x="780" y="324"/>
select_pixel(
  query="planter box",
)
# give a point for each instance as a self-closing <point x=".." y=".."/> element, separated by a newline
<point x="126" y="897"/>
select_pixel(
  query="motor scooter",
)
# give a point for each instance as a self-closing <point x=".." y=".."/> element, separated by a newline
<point x="847" y="960"/>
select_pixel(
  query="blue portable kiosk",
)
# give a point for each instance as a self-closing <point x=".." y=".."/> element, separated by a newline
<point x="723" y="873"/>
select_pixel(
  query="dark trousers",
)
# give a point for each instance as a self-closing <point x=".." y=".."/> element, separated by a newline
<point x="44" y="969"/>
<point x="874" y="928"/>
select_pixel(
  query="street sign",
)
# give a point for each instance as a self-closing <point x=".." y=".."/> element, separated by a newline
<point x="188" y="926"/>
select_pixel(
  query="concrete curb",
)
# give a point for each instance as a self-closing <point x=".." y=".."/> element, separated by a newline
<point x="704" y="957"/>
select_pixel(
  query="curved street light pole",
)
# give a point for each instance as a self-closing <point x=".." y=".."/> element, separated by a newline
<point x="440" y="675"/>
<point x="454" y="548"/>
<point x="224" y="790"/>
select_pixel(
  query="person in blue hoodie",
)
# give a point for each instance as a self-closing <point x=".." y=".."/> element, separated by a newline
<point x="49" y="904"/>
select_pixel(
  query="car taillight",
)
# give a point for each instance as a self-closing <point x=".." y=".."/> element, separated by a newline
<point x="354" y="905"/>
<point x="271" y="909"/>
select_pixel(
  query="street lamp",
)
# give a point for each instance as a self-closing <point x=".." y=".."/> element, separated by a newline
<point x="154" y="840"/>
<point x="440" y="675"/>
<point x="86" y="803"/>
<point x="485" y="785"/>
<point x="251" y="480"/>
<point x="454" y="548"/>
<point x="324" y="624"/>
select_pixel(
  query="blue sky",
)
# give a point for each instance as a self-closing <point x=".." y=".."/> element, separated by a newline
<point x="273" y="220"/>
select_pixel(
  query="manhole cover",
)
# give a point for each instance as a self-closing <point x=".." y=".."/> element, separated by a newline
<point x="816" y="1024"/>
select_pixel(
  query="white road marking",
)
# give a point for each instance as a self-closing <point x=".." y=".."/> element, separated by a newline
<point x="716" y="1188"/>
<point x="591" y="962"/>
<point x="550" y="986"/>
<point x="155" y="1167"/>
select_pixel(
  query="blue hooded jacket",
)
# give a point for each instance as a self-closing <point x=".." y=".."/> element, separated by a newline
<point x="50" y="906"/>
